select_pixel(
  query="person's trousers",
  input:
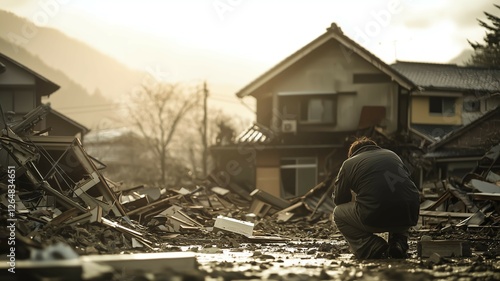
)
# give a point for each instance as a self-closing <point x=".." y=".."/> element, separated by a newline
<point x="363" y="242"/>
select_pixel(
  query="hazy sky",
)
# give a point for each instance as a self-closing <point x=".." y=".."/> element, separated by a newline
<point x="256" y="34"/>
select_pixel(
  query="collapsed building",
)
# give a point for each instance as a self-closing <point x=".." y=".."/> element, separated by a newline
<point x="62" y="196"/>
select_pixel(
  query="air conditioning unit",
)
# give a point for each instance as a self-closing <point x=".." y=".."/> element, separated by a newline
<point x="289" y="126"/>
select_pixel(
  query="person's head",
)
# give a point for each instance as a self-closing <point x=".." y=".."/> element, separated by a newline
<point x="359" y="143"/>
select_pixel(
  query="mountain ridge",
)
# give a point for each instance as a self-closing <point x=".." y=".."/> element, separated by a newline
<point x="69" y="92"/>
<point x="73" y="57"/>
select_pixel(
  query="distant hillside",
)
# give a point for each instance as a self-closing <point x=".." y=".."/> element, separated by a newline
<point x="80" y="62"/>
<point x="463" y="57"/>
<point x="68" y="96"/>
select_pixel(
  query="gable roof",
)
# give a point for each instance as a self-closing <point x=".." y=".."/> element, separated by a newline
<point x="77" y="126"/>
<point x="45" y="86"/>
<point x="450" y="76"/>
<point x="333" y="33"/>
<point x="458" y="132"/>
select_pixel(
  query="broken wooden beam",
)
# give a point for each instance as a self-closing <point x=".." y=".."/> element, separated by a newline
<point x="153" y="206"/>
<point x="454" y="215"/>
<point x="269" y="199"/>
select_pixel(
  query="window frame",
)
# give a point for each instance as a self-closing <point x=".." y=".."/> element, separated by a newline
<point x="443" y="106"/>
<point x="297" y="167"/>
<point x="298" y="104"/>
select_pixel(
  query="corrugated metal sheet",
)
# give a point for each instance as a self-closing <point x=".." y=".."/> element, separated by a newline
<point x="256" y="134"/>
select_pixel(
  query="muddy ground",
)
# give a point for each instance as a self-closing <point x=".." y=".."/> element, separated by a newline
<point x="310" y="251"/>
<point x="318" y="252"/>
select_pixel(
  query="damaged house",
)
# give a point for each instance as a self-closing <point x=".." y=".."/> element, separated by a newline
<point x="21" y="92"/>
<point x="52" y="160"/>
<point x="309" y="106"/>
<point x="448" y="96"/>
<point x="453" y="113"/>
<point x="459" y="152"/>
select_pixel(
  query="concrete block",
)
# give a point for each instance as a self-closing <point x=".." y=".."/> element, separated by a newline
<point x="444" y="248"/>
<point x="233" y="225"/>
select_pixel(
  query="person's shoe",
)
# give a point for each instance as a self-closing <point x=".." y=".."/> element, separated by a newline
<point x="398" y="246"/>
<point x="376" y="248"/>
<point x="380" y="253"/>
<point x="396" y="251"/>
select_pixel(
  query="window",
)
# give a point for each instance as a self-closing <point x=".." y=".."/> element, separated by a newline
<point x="442" y="105"/>
<point x="298" y="176"/>
<point x="314" y="108"/>
<point x="19" y="101"/>
<point x="318" y="110"/>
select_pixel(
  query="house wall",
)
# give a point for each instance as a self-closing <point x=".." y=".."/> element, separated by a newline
<point x="17" y="90"/>
<point x="267" y="176"/>
<point x="481" y="104"/>
<point x="330" y="70"/>
<point x="264" y="112"/>
<point x="420" y="112"/>
<point x="268" y="170"/>
<point x="490" y="103"/>
<point x="15" y="76"/>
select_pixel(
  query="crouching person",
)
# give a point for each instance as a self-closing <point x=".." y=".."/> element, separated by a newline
<point x="386" y="200"/>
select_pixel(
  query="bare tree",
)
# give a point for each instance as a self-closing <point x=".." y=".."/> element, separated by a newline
<point x="157" y="110"/>
<point x="220" y="125"/>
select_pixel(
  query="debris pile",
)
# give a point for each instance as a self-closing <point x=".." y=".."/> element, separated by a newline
<point x="54" y="193"/>
<point x="463" y="211"/>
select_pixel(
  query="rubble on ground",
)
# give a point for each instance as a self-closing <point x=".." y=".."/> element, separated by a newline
<point x="70" y="220"/>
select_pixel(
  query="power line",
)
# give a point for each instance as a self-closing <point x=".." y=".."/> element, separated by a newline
<point x="90" y="111"/>
<point x="239" y="101"/>
<point x="90" y="105"/>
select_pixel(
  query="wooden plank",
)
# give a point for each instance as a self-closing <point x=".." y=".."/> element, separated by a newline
<point x="485" y="196"/>
<point x="445" y="196"/>
<point x="456" y="215"/>
<point x="270" y="199"/>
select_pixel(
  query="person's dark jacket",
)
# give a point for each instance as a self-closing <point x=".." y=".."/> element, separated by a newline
<point x="385" y="194"/>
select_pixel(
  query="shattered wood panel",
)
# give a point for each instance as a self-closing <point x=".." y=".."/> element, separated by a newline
<point x="25" y="156"/>
<point x="28" y="122"/>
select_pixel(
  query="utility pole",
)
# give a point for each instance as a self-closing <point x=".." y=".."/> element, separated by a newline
<point x="205" y="129"/>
